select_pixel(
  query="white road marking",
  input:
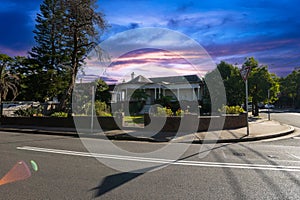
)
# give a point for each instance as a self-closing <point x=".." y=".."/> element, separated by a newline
<point x="294" y="156"/>
<point x="166" y="161"/>
<point x="224" y="154"/>
<point x="294" y="114"/>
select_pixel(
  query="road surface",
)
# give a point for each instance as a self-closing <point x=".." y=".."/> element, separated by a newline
<point x="261" y="170"/>
<point x="290" y="118"/>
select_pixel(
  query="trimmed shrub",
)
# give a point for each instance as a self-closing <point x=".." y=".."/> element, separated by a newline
<point x="179" y="112"/>
<point x="231" y="110"/>
<point x="161" y="112"/>
<point x="59" y="114"/>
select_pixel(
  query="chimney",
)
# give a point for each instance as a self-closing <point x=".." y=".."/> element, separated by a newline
<point x="132" y="75"/>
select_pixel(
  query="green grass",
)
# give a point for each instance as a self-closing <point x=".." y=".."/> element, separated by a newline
<point x="134" y="119"/>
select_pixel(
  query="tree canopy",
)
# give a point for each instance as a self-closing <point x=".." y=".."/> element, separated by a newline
<point x="290" y="90"/>
<point x="65" y="32"/>
<point x="260" y="81"/>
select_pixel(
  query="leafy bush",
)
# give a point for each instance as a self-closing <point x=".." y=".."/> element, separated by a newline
<point x="179" y="112"/>
<point x="29" y="112"/>
<point x="161" y="112"/>
<point x="59" y="114"/>
<point x="102" y="109"/>
<point x="231" y="109"/>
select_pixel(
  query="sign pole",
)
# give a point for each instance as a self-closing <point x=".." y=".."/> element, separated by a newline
<point x="245" y="71"/>
<point x="92" y="114"/>
<point x="247" y="117"/>
<point x="269" y="117"/>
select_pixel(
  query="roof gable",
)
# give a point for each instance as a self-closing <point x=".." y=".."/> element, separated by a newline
<point x="177" y="79"/>
<point x="140" y="79"/>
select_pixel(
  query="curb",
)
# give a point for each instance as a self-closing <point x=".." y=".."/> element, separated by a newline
<point x="40" y="131"/>
<point x="76" y="135"/>
<point x="144" y="139"/>
<point x="250" y="139"/>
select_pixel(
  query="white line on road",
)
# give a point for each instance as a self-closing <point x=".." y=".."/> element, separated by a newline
<point x="166" y="161"/>
<point x="294" y="114"/>
<point x="294" y="156"/>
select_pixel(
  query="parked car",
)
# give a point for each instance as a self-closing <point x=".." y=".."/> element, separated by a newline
<point x="261" y="105"/>
<point x="269" y="106"/>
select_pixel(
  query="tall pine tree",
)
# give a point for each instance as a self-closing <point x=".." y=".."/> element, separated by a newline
<point x="48" y="35"/>
<point x="49" y="52"/>
<point x="66" y="30"/>
<point x="83" y="28"/>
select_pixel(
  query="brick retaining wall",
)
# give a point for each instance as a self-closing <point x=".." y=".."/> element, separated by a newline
<point x="198" y="123"/>
<point x="173" y="124"/>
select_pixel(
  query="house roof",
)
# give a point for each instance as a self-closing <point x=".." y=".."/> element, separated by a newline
<point x="165" y="80"/>
<point x="177" y="79"/>
<point x="140" y="79"/>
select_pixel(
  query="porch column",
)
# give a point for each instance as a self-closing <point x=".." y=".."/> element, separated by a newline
<point x="159" y="92"/>
<point x="155" y="93"/>
<point x="178" y="97"/>
<point x="126" y="93"/>
<point x="198" y="91"/>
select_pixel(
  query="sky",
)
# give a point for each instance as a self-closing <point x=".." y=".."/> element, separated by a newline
<point x="227" y="30"/>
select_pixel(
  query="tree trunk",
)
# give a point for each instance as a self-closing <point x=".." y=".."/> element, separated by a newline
<point x="74" y="70"/>
<point x="255" y="109"/>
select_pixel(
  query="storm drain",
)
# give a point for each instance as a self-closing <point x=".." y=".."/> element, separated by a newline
<point x="273" y="156"/>
<point x="238" y="154"/>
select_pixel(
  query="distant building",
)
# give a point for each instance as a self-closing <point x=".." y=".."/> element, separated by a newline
<point x="180" y="88"/>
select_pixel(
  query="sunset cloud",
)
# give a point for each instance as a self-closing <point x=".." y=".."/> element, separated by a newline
<point x="231" y="31"/>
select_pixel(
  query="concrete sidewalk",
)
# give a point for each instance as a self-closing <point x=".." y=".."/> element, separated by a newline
<point x="260" y="129"/>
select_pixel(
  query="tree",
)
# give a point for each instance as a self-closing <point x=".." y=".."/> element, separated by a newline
<point x="102" y="91"/>
<point x="290" y="89"/>
<point x="260" y="81"/>
<point x="80" y="35"/>
<point x="233" y="83"/>
<point x="214" y="92"/>
<point x="65" y="32"/>
<point x="49" y="53"/>
<point x="8" y="81"/>
<point x="230" y="79"/>
<point x="33" y="84"/>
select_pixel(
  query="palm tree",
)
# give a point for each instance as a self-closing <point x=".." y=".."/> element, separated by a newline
<point x="8" y="81"/>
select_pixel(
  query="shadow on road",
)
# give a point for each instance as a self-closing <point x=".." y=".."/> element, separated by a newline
<point x="116" y="180"/>
<point x="113" y="181"/>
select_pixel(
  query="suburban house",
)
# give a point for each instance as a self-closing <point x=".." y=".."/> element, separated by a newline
<point x="177" y="88"/>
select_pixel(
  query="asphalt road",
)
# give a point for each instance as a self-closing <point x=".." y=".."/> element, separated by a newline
<point x="286" y="117"/>
<point x="289" y="118"/>
<point x="226" y="171"/>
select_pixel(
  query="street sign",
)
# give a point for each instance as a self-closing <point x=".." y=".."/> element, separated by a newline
<point x="245" y="71"/>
